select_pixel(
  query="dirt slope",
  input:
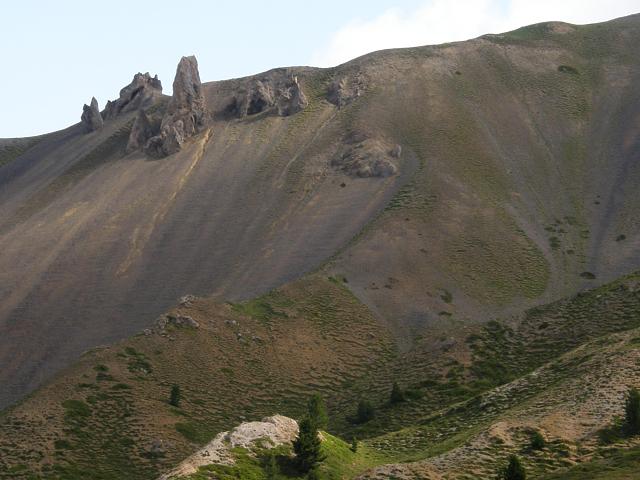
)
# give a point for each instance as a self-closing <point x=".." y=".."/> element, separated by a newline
<point x="515" y="186"/>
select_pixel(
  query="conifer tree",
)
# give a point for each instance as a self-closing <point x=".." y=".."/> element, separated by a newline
<point x="270" y="466"/>
<point x="307" y="447"/>
<point x="317" y="411"/>
<point x="537" y="441"/>
<point x="514" y="470"/>
<point x="365" y="412"/>
<point x="632" y="412"/>
<point x="174" y="397"/>
<point x="397" y="395"/>
<point x="354" y="445"/>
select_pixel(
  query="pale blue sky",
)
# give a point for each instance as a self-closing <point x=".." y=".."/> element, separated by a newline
<point x="57" y="54"/>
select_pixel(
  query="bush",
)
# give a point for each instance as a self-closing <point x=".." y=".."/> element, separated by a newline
<point x="537" y="441"/>
<point x="397" y="395"/>
<point x="513" y="471"/>
<point x="365" y="412"/>
<point x="174" y="397"/>
<point x="632" y="412"/>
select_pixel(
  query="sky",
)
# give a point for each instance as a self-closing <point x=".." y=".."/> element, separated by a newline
<point x="58" y="54"/>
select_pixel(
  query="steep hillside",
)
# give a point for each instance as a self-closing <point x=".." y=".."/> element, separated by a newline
<point x="447" y="184"/>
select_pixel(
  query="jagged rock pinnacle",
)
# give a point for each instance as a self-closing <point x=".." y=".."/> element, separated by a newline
<point x="91" y="118"/>
<point x="185" y="114"/>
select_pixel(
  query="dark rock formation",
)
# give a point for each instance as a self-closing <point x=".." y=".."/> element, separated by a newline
<point x="140" y="93"/>
<point x="91" y="118"/>
<point x="366" y="157"/>
<point x="345" y="90"/>
<point x="185" y="114"/>
<point x="176" y="320"/>
<point x="277" y="92"/>
<point x="141" y="132"/>
<point x="291" y="99"/>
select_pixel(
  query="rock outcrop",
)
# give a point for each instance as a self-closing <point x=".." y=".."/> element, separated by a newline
<point x="91" y="117"/>
<point x="141" y="132"/>
<point x="366" y="157"/>
<point x="343" y="91"/>
<point x="277" y="92"/>
<point x="139" y="94"/>
<point x="185" y="114"/>
<point x="268" y="433"/>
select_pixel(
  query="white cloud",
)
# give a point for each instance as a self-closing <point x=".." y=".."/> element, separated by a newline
<point x="440" y="21"/>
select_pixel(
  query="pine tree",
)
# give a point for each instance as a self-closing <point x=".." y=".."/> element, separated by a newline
<point x="313" y="474"/>
<point x="317" y="412"/>
<point x="537" y="441"/>
<point x="365" y="412"/>
<point x="397" y="395"/>
<point x="354" y="445"/>
<point x="514" y="470"/>
<point x="270" y="467"/>
<point x="174" y="397"/>
<point x="307" y="447"/>
<point x="632" y="412"/>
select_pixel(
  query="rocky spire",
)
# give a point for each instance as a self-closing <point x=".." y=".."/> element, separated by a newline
<point x="91" y="118"/>
<point x="186" y="111"/>
<point x="187" y="103"/>
<point x="140" y="93"/>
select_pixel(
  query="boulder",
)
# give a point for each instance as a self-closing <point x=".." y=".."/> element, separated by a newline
<point x="185" y="114"/>
<point x="271" y="432"/>
<point x="139" y="94"/>
<point x="91" y="118"/>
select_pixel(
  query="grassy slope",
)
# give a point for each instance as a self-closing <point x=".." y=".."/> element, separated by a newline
<point x="245" y="361"/>
<point x="102" y="415"/>
<point x="340" y="462"/>
<point x="619" y="464"/>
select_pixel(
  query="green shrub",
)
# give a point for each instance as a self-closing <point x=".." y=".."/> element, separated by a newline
<point x="568" y="69"/>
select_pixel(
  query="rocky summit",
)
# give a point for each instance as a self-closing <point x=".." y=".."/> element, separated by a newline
<point x="425" y="260"/>
<point x="139" y="94"/>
